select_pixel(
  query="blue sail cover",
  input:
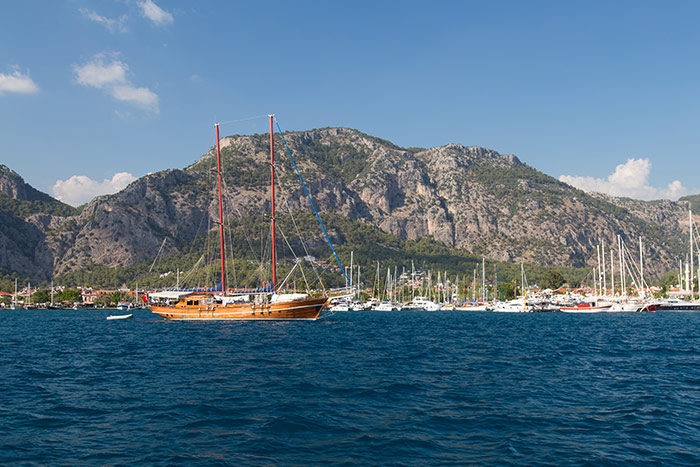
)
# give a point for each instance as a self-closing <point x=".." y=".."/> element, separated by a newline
<point x="217" y="288"/>
<point x="267" y="288"/>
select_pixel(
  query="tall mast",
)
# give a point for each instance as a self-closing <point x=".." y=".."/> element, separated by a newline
<point x="272" y="196"/>
<point x="597" y="289"/>
<point x="641" y="267"/>
<point x="483" y="276"/>
<point x="221" y="211"/>
<point x="351" y="252"/>
<point x="612" y="273"/>
<point x="413" y="281"/>
<point x="690" y="224"/>
<point x="623" y="291"/>
<point x="602" y="257"/>
<point x="358" y="281"/>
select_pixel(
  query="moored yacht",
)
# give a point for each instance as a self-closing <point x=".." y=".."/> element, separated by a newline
<point x="422" y="304"/>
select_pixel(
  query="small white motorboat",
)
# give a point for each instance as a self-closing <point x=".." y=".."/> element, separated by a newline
<point x="120" y="316"/>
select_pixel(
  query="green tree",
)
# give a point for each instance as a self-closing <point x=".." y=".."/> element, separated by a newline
<point x="552" y="279"/>
<point x="41" y="296"/>
<point x="70" y="295"/>
<point x="668" y="280"/>
<point x="508" y="290"/>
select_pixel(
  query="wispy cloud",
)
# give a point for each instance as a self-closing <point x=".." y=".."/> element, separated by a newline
<point x="630" y="180"/>
<point x="17" y="82"/>
<point x="80" y="189"/>
<point x="112" y="77"/>
<point x="155" y="13"/>
<point x="112" y="25"/>
<point x="140" y="96"/>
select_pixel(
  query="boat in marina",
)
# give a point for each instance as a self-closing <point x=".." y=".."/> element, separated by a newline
<point x="473" y="306"/>
<point x="267" y="303"/>
<point x="586" y="307"/>
<point x="518" y="305"/>
<point x="387" y="305"/>
<point x="676" y="304"/>
<point x="629" y="306"/>
<point x="422" y="304"/>
<point x="341" y="305"/>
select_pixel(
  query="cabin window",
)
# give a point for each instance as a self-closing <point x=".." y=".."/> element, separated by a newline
<point x="189" y="302"/>
<point x="196" y="302"/>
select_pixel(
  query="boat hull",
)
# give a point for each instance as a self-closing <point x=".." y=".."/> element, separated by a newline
<point x="585" y="309"/>
<point x="296" y="310"/>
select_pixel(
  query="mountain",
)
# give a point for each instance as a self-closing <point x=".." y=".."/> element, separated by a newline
<point x="26" y="216"/>
<point x="468" y="198"/>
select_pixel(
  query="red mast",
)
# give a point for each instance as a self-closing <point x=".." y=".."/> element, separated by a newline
<point x="272" y="177"/>
<point x="221" y="211"/>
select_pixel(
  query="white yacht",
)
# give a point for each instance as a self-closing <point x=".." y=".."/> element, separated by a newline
<point x="421" y="304"/>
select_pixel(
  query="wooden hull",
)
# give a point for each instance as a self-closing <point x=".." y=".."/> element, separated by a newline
<point x="308" y="309"/>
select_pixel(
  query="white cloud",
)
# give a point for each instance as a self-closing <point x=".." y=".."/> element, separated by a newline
<point x="98" y="75"/>
<point x="80" y="189"/>
<point x="155" y="13"/>
<point x="143" y="97"/>
<point x="112" y="25"/>
<point x="112" y="77"/>
<point x="17" y="82"/>
<point x="630" y="180"/>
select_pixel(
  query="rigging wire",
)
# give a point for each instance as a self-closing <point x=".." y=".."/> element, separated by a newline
<point x="342" y="269"/>
<point x="229" y="238"/>
<point x="303" y="242"/>
<point x="157" y="255"/>
<point x="297" y="259"/>
<point x="242" y="119"/>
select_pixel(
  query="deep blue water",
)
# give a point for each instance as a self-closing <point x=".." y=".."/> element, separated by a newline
<point x="411" y="388"/>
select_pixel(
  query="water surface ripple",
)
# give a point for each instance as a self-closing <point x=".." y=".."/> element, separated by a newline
<point x="411" y="388"/>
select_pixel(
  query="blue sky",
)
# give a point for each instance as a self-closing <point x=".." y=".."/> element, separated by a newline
<point x="604" y="93"/>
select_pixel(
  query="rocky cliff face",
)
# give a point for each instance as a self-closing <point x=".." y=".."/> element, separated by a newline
<point x="465" y="197"/>
<point x="12" y="185"/>
<point x="26" y="217"/>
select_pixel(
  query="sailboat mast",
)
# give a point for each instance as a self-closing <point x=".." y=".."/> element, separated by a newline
<point x="690" y="224"/>
<point x="221" y="211"/>
<point x="272" y="196"/>
<point x="641" y="268"/>
<point x="612" y="273"/>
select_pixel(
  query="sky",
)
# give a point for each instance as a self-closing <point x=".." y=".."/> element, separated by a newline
<point x="603" y="95"/>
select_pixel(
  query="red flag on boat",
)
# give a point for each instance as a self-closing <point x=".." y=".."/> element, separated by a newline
<point x="144" y="298"/>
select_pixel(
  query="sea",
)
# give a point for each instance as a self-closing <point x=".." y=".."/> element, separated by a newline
<point x="353" y="388"/>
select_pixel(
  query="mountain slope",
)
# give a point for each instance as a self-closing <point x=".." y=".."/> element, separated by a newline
<point x="469" y="198"/>
<point x="26" y="215"/>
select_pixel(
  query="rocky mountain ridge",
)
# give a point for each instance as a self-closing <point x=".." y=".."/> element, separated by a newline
<point x="469" y="198"/>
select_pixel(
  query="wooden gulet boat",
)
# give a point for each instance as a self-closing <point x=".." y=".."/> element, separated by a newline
<point x="204" y="306"/>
